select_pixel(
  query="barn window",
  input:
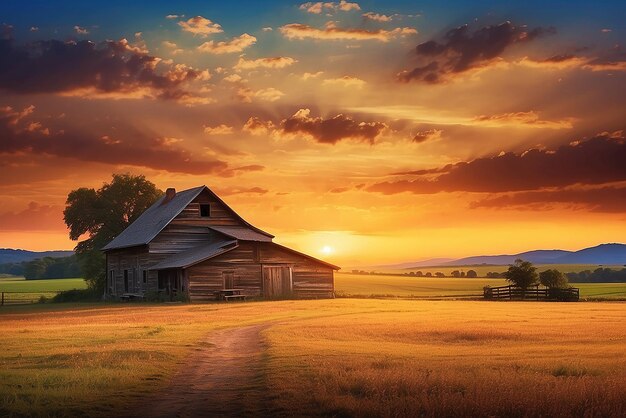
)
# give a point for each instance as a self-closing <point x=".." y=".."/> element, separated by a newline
<point x="145" y="277"/>
<point x="111" y="280"/>
<point x="205" y="211"/>
<point x="125" y="281"/>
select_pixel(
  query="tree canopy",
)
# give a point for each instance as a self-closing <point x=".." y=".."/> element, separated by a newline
<point x="553" y="279"/>
<point x="521" y="274"/>
<point x="103" y="214"/>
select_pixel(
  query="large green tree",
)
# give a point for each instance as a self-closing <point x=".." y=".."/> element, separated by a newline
<point x="101" y="215"/>
<point x="521" y="274"/>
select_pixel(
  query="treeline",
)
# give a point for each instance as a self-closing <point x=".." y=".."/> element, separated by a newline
<point x="44" y="268"/>
<point x="455" y="273"/>
<point x="599" y="275"/>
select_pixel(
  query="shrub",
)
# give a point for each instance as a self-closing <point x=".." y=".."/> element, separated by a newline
<point x="553" y="279"/>
<point x="76" y="295"/>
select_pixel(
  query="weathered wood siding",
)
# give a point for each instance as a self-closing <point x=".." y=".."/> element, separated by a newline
<point x="220" y="214"/>
<point x="310" y="279"/>
<point x="189" y="229"/>
<point x="135" y="261"/>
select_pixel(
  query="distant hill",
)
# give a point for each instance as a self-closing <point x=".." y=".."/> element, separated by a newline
<point x="601" y="254"/>
<point x="9" y="255"/>
<point x="423" y="263"/>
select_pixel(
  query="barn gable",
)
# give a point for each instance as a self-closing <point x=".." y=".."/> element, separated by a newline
<point x="180" y="214"/>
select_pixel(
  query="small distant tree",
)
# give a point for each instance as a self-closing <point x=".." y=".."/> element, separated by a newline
<point x="471" y="274"/>
<point x="428" y="274"/>
<point x="553" y="279"/>
<point x="521" y="274"/>
<point x="456" y="273"/>
<point x="419" y="274"/>
<point x="439" y="274"/>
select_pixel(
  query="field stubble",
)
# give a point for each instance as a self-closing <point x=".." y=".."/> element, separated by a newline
<point x="343" y="357"/>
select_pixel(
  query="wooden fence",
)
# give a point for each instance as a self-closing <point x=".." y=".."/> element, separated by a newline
<point x="25" y="298"/>
<point x="571" y="294"/>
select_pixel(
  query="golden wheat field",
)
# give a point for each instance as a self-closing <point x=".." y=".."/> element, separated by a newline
<point x="342" y="357"/>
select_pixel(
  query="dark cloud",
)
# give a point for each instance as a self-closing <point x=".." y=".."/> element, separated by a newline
<point x="113" y="68"/>
<point x="243" y="169"/>
<point x="593" y="161"/>
<point x="461" y="51"/>
<point x="132" y="148"/>
<point x="603" y="199"/>
<point x="333" y="130"/>
<point x="427" y="135"/>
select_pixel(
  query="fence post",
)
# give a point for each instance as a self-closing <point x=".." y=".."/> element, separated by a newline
<point x="2" y="304"/>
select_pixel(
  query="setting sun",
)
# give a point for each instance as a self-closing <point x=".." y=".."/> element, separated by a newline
<point x="327" y="250"/>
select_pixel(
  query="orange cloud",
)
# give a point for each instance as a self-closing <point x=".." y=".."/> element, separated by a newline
<point x="428" y="135"/>
<point x="530" y="118"/>
<point x="558" y="62"/>
<point x="319" y="7"/>
<point x="218" y="130"/>
<point x="236" y="44"/>
<point x="172" y="47"/>
<point x="256" y="126"/>
<point x="593" y="161"/>
<point x="345" y="81"/>
<point x="377" y="17"/>
<point x="330" y="131"/>
<point x="331" y="32"/>
<point x="610" y="199"/>
<point x="270" y="62"/>
<point x="201" y="26"/>
<point x="129" y="147"/>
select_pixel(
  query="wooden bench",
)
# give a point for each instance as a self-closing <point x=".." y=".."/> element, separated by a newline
<point x="235" y="297"/>
<point x="131" y="296"/>
<point x="228" y="294"/>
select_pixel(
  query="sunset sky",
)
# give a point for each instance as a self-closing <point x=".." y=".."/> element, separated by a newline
<point x="360" y="132"/>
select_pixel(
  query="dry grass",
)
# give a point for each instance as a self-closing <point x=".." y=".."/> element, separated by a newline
<point x="392" y="358"/>
<point x="343" y="357"/>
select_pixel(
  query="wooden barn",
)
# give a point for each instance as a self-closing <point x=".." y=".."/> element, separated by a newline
<point x="193" y="244"/>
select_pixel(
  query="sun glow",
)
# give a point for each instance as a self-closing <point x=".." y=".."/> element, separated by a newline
<point x="327" y="250"/>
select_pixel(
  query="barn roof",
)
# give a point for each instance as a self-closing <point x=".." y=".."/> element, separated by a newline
<point x="159" y="215"/>
<point x="241" y="233"/>
<point x="317" y="260"/>
<point x="195" y="255"/>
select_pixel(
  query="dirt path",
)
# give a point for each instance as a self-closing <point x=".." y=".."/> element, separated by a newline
<point x="223" y="378"/>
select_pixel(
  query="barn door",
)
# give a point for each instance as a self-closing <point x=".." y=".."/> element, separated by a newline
<point x="229" y="279"/>
<point x="277" y="282"/>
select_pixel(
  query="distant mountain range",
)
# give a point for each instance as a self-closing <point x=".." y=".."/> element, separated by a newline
<point x="601" y="254"/>
<point x="9" y="255"/>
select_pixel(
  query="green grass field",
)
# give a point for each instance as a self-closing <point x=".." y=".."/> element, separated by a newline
<point x="349" y="284"/>
<point x="19" y="284"/>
